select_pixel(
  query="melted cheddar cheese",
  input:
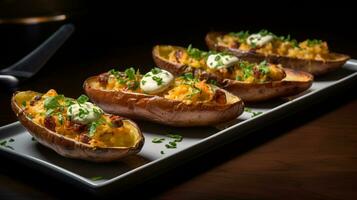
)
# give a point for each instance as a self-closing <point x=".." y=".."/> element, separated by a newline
<point x="241" y="71"/>
<point x="308" y="49"/>
<point x="187" y="88"/>
<point x="107" y="131"/>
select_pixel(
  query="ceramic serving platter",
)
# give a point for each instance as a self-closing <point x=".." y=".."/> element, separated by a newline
<point x="155" y="158"/>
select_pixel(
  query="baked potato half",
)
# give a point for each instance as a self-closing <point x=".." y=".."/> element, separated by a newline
<point x="76" y="128"/>
<point x="250" y="81"/>
<point x="160" y="97"/>
<point x="311" y="56"/>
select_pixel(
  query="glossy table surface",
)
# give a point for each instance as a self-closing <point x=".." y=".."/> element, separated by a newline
<point x="309" y="155"/>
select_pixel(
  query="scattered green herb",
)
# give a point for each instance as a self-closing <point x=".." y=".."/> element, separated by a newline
<point x="241" y="36"/>
<point x="155" y="71"/>
<point x="11" y="140"/>
<point x="188" y="76"/>
<point x="170" y="146"/>
<point x="196" y="53"/>
<point x="177" y="138"/>
<point x="158" y="140"/>
<point x="157" y="79"/>
<point x="82" y="99"/>
<point x="4" y="144"/>
<point x="249" y="110"/>
<point x="162" y="152"/>
<point x="130" y="73"/>
<point x="264" y="67"/>
<point x="60" y="118"/>
<point x="49" y="111"/>
<point x="52" y="102"/>
<point x="24" y="103"/>
<point x="113" y="72"/>
<point x="313" y="42"/>
<point x="93" y="126"/>
<point x="265" y="32"/>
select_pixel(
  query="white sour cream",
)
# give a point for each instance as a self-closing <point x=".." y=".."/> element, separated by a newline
<point x="84" y="113"/>
<point x="259" y="40"/>
<point x="156" y="81"/>
<point x="219" y="61"/>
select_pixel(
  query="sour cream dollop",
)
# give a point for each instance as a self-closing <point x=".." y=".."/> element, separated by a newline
<point x="219" y="61"/>
<point x="84" y="113"/>
<point x="156" y="81"/>
<point x="259" y="40"/>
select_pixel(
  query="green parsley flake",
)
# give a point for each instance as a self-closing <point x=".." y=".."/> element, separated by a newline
<point x="93" y="126"/>
<point x="158" y="140"/>
<point x="82" y="99"/>
<point x="155" y="70"/>
<point x="24" y="103"/>
<point x="130" y="73"/>
<point x="254" y="114"/>
<point x="157" y="79"/>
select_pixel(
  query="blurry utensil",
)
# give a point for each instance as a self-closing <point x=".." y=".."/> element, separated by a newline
<point x="34" y="61"/>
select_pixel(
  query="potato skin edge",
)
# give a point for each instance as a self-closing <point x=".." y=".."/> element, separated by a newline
<point x="314" y="67"/>
<point x="71" y="148"/>
<point x="249" y="92"/>
<point x="161" y="110"/>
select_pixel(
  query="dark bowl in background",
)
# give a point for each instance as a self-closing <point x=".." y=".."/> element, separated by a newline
<point x="25" y="24"/>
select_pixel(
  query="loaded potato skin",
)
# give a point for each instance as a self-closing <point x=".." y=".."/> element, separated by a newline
<point x="253" y="82"/>
<point x="105" y="138"/>
<point x="185" y="101"/>
<point x="311" y="56"/>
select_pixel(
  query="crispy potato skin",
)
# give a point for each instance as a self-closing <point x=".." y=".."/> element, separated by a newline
<point x="294" y="82"/>
<point x="314" y="67"/>
<point x="161" y="110"/>
<point x="68" y="147"/>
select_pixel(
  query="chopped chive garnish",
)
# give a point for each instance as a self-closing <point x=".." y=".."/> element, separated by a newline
<point x="82" y="99"/>
<point x="249" y="110"/>
<point x="4" y="144"/>
<point x="178" y="138"/>
<point x="158" y="140"/>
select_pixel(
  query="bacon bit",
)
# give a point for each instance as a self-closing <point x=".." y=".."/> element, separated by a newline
<point x="103" y="78"/>
<point x="235" y="45"/>
<point x="50" y="123"/>
<point x="116" y="121"/>
<point x="178" y="55"/>
<point x="84" y="138"/>
<point x="79" y="127"/>
<point x="37" y="98"/>
<point x="220" y="97"/>
<point x="256" y="72"/>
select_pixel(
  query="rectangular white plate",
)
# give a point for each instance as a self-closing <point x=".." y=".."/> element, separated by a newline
<point x="150" y="161"/>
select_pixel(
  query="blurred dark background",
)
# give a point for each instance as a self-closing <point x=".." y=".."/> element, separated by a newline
<point x="102" y="25"/>
<point x="111" y="34"/>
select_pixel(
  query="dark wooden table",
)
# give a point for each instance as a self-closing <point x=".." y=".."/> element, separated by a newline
<point x="310" y="155"/>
